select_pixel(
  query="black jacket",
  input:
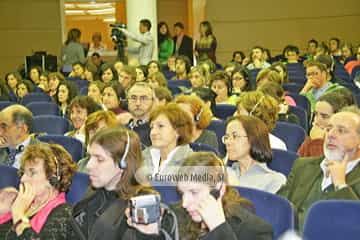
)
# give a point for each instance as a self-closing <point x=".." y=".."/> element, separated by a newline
<point x="241" y="225"/>
<point x="101" y="216"/>
<point x="186" y="47"/>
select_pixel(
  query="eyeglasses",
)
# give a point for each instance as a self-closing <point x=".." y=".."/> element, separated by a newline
<point x="134" y="98"/>
<point x="233" y="136"/>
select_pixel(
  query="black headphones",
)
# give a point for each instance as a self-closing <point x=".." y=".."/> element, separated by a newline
<point x="122" y="162"/>
<point x="54" y="180"/>
<point x="132" y="123"/>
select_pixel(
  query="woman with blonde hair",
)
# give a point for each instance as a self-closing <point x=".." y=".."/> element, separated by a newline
<point x="201" y="117"/>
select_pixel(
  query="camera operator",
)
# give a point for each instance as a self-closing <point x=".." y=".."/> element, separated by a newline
<point x="145" y="39"/>
<point x="115" y="155"/>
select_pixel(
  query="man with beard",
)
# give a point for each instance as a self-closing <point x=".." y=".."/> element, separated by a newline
<point x="140" y="102"/>
<point x="334" y="176"/>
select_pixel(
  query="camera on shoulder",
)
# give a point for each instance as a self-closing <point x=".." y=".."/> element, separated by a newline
<point x="145" y="209"/>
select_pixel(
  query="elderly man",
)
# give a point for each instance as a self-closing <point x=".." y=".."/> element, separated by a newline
<point x="15" y="127"/>
<point x="334" y="176"/>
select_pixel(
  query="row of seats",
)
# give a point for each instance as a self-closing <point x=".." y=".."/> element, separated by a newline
<point x="331" y="219"/>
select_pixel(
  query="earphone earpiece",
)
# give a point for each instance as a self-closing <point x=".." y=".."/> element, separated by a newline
<point x="123" y="163"/>
<point x="55" y="179"/>
<point x="197" y="117"/>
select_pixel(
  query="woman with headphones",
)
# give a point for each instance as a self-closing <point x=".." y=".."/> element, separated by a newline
<point x="115" y="156"/>
<point x="201" y="115"/>
<point x="39" y="209"/>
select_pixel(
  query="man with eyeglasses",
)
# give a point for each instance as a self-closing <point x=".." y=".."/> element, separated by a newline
<point x="140" y="98"/>
<point x="15" y="126"/>
<point x="317" y="83"/>
<point x="334" y="176"/>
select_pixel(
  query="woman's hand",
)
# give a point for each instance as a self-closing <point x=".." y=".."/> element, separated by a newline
<point x="211" y="211"/>
<point x="23" y="202"/>
<point x="7" y="197"/>
<point x="152" y="228"/>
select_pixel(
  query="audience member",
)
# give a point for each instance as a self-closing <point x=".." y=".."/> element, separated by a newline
<point x="95" y="90"/>
<point x="108" y="73"/>
<point x="55" y="78"/>
<point x="248" y="152"/>
<point x="170" y="134"/>
<point x="197" y="77"/>
<point x="35" y="73"/>
<point x="238" y="56"/>
<point x="327" y="105"/>
<point x="115" y="156"/>
<point x="93" y="123"/>
<point x="113" y="97"/>
<point x="182" y="68"/>
<point x="153" y="66"/>
<point x="16" y="123"/>
<point x="266" y="108"/>
<point x="96" y="45"/>
<point x="157" y="79"/>
<point x="201" y="116"/>
<point x="39" y="209"/>
<point x="334" y="176"/>
<point x="221" y="85"/>
<point x="317" y="83"/>
<point x="212" y="209"/>
<point x="240" y="81"/>
<point x="79" y="108"/>
<point x="141" y="73"/>
<point x="257" y="59"/>
<point x="140" y="103"/>
<point x="66" y="92"/>
<point x="127" y="76"/>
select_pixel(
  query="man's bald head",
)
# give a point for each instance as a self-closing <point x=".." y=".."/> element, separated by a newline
<point x="16" y="114"/>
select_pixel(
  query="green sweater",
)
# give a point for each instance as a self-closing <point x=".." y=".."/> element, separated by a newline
<point x="166" y="49"/>
<point x="310" y="95"/>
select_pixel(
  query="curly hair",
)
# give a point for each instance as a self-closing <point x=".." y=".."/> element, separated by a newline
<point x="259" y="105"/>
<point x="198" y="108"/>
<point x="57" y="162"/>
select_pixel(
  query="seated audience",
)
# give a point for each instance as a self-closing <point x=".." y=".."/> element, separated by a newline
<point x="198" y="77"/>
<point x="317" y="83"/>
<point x="201" y="116"/>
<point x="23" y="88"/>
<point x="95" y="90"/>
<point x="257" y="59"/>
<point x="127" y="76"/>
<point x="79" y="108"/>
<point x="334" y="176"/>
<point x="162" y="96"/>
<point x="266" y="108"/>
<point x="170" y="134"/>
<point x="157" y="79"/>
<point x="182" y="68"/>
<point x="16" y="122"/>
<point x="108" y="73"/>
<point x="248" y="152"/>
<point x="55" y="79"/>
<point x="115" y="156"/>
<point x="67" y="90"/>
<point x="212" y="209"/>
<point x="240" y="81"/>
<point x="141" y="73"/>
<point x="113" y="96"/>
<point x="221" y="85"/>
<point x="327" y="105"/>
<point x="153" y="66"/>
<point x="95" y="122"/>
<point x="39" y="209"/>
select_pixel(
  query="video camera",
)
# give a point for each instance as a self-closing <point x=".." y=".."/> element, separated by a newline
<point x="145" y="209"/>
<point x="119" y="39"/>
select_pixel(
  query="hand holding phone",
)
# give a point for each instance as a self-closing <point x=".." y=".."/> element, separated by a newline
<point x="211" y="210"/>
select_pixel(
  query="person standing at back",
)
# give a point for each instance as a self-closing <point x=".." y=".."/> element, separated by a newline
<point x="73" y="51"/>
<point x="183" y="43"/>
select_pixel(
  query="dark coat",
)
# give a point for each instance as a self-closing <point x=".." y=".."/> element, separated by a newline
<point x="186" y="47"/>
<point x="241" y="225"/>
